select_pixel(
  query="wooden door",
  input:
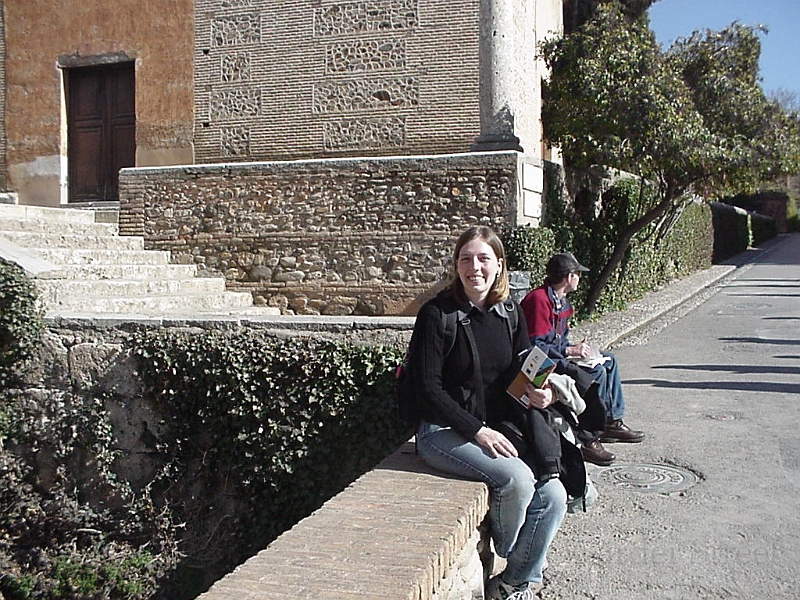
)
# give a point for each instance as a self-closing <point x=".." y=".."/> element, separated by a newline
<point x="101" y="129"/>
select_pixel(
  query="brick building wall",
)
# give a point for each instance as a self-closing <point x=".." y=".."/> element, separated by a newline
<point x="43" y="38"/>
<point x="335" y="237"/>
<point x="249" y="80"/>
<point x="300" y="79"/>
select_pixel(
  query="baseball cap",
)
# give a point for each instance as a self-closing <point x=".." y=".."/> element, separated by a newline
<point x="562" y="264"/>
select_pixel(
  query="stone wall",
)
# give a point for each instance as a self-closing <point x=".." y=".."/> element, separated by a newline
<point x="332" y="237"/>
<point x="401" y="529"/>
<point x="93" y="355"/>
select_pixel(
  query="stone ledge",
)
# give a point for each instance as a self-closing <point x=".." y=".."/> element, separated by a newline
<point x="397" y="533"/>
<point x="30" y="262"/>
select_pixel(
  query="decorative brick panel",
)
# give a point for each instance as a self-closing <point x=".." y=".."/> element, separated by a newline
<point x="365" y="94"/>
<point x="343" y="18"/>
<point x="333" y="78"/>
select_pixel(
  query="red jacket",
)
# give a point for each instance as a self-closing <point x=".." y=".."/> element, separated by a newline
<point x="548" y="328"/>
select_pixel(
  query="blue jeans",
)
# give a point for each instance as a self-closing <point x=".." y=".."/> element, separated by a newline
<point x="610" y="388"/>
<point x="524" y="514"/>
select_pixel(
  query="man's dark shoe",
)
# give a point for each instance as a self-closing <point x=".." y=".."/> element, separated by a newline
<point x="595" y="453"/>
<point x="617" y="431"/>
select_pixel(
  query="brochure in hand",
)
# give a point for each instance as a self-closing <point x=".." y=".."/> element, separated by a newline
<point x="590" y="362"/>
<point x="536" y="368"/>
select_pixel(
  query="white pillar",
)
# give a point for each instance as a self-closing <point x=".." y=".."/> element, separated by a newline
<point x="498" y="76"/>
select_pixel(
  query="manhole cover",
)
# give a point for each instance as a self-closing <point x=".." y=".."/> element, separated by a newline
<point x="751" y="306"/>
<point x="721" y="416"/>
<point x="658" y="478"/>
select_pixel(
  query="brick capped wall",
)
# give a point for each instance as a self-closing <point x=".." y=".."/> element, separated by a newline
<point x="336" y="237"/>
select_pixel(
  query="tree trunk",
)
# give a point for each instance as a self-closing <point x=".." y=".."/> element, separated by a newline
<point x="621" y="246"/>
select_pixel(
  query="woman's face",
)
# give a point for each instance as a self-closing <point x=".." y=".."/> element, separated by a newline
<point x="478" y="267"/>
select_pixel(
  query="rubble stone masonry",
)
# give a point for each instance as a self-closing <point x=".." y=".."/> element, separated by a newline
<point x="333" y="237"/>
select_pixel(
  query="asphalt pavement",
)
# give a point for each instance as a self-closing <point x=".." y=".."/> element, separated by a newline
<point x="708" y="506"/>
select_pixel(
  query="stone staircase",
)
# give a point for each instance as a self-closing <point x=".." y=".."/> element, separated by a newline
<point x="82" y="267"/>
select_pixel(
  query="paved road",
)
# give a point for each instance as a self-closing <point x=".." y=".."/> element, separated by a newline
<point x="716" y="385"/>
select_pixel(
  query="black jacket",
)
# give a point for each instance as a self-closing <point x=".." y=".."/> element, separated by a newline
<point x="448" y="389"/>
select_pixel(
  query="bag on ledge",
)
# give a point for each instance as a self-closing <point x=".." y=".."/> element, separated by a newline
<point x="407" y="410"/>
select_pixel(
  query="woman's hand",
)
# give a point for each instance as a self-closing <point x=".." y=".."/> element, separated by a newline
<point x="540" y="397"/>
<point x="495" y="442"/>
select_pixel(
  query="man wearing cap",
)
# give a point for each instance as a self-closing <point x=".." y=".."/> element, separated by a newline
<point x="547" y="312"/>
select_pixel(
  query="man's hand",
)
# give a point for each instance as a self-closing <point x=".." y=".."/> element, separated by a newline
<point x="582" y="349"/>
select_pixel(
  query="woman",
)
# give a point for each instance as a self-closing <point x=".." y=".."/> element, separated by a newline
<point x="461" y="388"/>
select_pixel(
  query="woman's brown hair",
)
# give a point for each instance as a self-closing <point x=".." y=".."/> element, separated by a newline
<point x="500" y="288"/>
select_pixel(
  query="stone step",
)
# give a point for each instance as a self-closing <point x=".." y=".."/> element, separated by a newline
<point x="61" y="239"/>
<point x="58" y="289"/>
<point x="153" y="305"/>
<point x="49" y="226"/>
<point x="80" y="256"/>
<point x="45" y="213"/>
<point x="83" y="267"/>
<point x="111" y="271"/>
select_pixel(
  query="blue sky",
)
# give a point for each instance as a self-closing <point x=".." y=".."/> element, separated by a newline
<point x="780" y="48"/>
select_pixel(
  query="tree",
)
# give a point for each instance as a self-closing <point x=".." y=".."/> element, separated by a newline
<point x="577" y="12"/>
<point x="789" y="100"/>
<point x="689" y="120"/>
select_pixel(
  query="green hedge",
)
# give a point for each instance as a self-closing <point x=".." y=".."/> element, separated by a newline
<point x="280" y="424"/>
<point x="528" y="249"/>
<point x="733" y="225"/>
<point x="736" y="229"/>
<point x="20" y="320"/>
<point x="655" y="256"/>
<point x="762" y="228"/>
<point x="792" y="221"/>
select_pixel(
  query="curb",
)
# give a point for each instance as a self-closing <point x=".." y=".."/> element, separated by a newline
<point x="614" y="326"/>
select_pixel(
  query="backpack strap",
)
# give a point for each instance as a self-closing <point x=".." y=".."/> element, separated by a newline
<point x="512" y="312"/>
<point x="451" y="320"/>
<point x="476" y="358"/>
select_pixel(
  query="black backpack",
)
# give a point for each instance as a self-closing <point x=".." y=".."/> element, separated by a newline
<point x="408" y="412"/>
